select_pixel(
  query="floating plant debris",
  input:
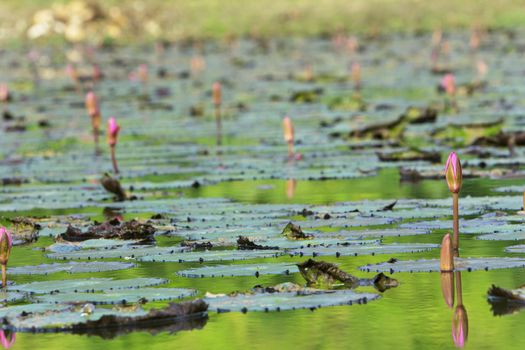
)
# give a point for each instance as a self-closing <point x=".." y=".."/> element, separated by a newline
<point x="506" y="301"/>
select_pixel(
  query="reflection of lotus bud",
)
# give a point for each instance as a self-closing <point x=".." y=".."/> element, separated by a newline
<point x="113" y="129"/>
<point x="460" y="326"/>
<point x="7" y="338"/>
<point x="447" y="287"/>
<point x="6" y="242"/>
<point x="446" y="262"/>
<point x="288" y="130"/>
<point x="448" y="83"/>
<point x="453" y="173"/>
<point x="4" y="93"/>
<point x="217" y="93"/>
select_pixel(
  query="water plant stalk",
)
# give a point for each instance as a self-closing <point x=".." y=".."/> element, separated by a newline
<point x="114" y="159"/>
<point x="455" y="223"/>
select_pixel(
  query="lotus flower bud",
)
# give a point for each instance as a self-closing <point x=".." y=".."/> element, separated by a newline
<point x="356" y="73"/>
<point x="143" y="73"/>
<point x="6" y="242"/>
<point x="92" y="104"/>
<point x="97" y="72"/>
<point x="446" y="262"/>
<point x="448" y="84"/>
<point x="460" y="326"/>
<point x="217" y="93"/>
<point x="113" y="129"/>
<point x="453" y="173"/>
<point x="72" y="72"/>
<point x="4" y="93"/>
<point x="7" y="338"/>
<point x="288" y="130"/>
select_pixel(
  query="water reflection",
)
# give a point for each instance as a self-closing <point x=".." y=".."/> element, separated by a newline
<point x="7" y="338"/>
<point x="450" y="282"/>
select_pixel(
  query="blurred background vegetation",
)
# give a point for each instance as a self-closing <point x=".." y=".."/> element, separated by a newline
<point x="140" y="20"/>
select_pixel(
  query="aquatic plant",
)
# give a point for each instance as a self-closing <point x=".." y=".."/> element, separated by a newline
<point x="93" y="110"/>
<point x="113" y="129"/>
<point x="4" y="93"/>
<point x="356" y="75"/>
<point x="453" y="175"/>
<point x="217" y="101"/>
<point x="289" y="135"/>
<point x="6" y="242"/>
<point x="446" y="263"/>
<point x="7" y="338"/>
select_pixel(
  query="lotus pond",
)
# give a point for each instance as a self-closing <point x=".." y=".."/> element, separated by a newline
<point x="224" y="218"/>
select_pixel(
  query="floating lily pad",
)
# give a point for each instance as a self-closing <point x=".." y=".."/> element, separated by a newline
<point x="122" y="253"/>
<point x="124" y="296"/>
<point x="86" y="285"/>
<point x="240" y="270"/>
<point x="212" y="255"/>
<point x="432" y="265"/>
<point x="71" y="267"/>
<point x="503" y="236"/>
<point x="16" y="310"/>
<point x="9" y="297"/>
<point x="390" y="232"/>
<point x="362" y="249"/>
<point x="287" y="301"/>
<point x="89" y="244"/>
<point x="516" y="249"/>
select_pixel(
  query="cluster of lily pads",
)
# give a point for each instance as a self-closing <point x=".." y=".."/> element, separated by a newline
<point x="340" y="130"/>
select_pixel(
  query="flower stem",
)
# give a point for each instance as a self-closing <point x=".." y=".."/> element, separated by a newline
<point x="4" y="275"/>
<point x="455" y="214"/>
<point x="290" y="150"/>
<point x="114" y="159"/>
<point x="459" y="291"/>
<point x="219" y="123"/>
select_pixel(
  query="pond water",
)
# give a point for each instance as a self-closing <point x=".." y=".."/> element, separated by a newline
<point x="169" y="161"/>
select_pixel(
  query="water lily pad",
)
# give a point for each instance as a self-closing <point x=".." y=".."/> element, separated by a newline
<point x="9" y="296"/>
<point x="16" y="310"/>
<point x="503" y="236"/>
<point x="516" y="249"/>
<point x="212" y="255"/>
<point x="124" y="296"/>
<point x="287" y="301"/>
<point x="70" y="267"/>
<point x="86" y="285"/>
<point x="122" y="253"/>
<point x="240" y="270"/>
<point x="432" y="265"/>
<point x="362" y="249"/>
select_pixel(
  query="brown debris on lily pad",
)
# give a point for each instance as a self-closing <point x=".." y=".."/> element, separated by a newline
<point x="113" y="229"/>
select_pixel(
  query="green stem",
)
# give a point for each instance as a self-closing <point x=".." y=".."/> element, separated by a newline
<point x="455" y="214"/>
<point x="219" y="124"/>
<point x="114" y="159"/>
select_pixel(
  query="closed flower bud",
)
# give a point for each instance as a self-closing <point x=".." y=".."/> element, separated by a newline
<point x="447" y="260"/>
<point x="453" y="173"/>
<point x="92" y="104"/>
<point x="6" y="242"/>
<point x="113" y="129"/>
<point x="448" y="84"/>
<point x="4" y="93"/>
<point x="217" y="93"/>
<point x="288" y="130"/>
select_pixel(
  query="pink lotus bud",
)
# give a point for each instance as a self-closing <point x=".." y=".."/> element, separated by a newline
<point x="453" y="173"/>
<point x="97" y="72"/>
<point x="4" y="93"/>
<point x="72" y="72"/>
<point x="92" y="104"/>
<point x="460" y="326"/>
<point x="143" y="73"/>
<point x="448" y="84"/>
<point x="217" y="93"/>
<point x="356" y="73"/>
<point x="113" y="129"/>
<point x="288" y="130"/>
<point x="6" y="242"/>
<point x="7" y="338"/>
